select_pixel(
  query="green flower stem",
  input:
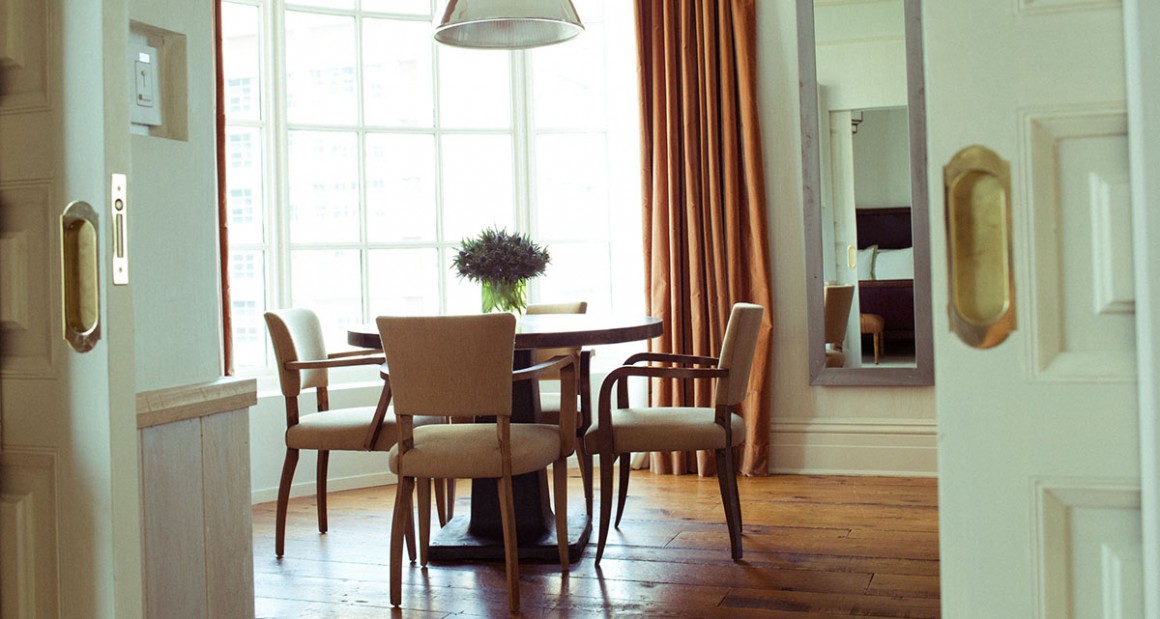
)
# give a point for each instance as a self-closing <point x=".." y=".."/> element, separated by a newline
<point x="498" y="296"/>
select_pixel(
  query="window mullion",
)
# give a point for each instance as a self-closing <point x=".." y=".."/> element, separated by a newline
<point x="361" y="158"/>
<point x="521" y="140"/>
<point x="277" y="140"/>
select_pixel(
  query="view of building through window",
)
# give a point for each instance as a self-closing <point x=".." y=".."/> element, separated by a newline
<point x="360" y="153"/>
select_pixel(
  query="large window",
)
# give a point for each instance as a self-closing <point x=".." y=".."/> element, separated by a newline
<point x="360" y="153"/>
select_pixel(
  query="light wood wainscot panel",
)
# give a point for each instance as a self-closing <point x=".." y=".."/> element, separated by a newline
<point x="195" y="479"/>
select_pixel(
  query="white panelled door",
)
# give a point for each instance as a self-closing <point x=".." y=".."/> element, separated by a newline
<point x="1039" y="453"/>
<point x="70" y="540"/>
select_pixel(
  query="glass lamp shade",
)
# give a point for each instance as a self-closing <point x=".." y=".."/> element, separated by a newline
<point x="507" y="24"/>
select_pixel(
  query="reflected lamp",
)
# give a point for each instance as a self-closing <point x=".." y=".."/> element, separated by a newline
<point x="507" y="24"/>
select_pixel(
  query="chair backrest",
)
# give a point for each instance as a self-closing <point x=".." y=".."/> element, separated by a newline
<point x="836" y="303"/>
<point x="737" y="352"/>
<point x="297" y="336"/>
<point x="450" y="366"/>
<point x="543" y="354"/>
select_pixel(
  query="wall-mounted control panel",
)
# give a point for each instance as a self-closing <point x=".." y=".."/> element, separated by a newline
<point x="145" y="108"/>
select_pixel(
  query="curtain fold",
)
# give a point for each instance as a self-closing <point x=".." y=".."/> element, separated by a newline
<point x="705" y="232"/>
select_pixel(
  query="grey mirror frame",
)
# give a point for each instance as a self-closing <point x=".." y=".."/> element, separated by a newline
<point x="923" y="372"/>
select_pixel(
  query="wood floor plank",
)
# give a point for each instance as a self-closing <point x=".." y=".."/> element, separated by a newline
<point x="815" y="547"/>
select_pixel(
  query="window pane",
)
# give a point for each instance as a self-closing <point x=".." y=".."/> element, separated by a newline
<point x="244" y="184"/>
<point x="463" y="295"/>
<point x="569" y="82"/>
<point x="404" y="281"/>
<point x="402" y="7"/>
<point x="241" y="61"/>
<point x="247" y="304"/>
<point x="571" y="188"/>
<point x="591" y="11"/>
<point x="323" y="187"/>
<point x="397" y="73"/>
<point x="474" y="88"/>
<point x="400" y="187"/>
<point x="578" y="271"/>
<point x="329" y="282"/>
<point x="320" y="78"/>
<point x="477" y="184"/>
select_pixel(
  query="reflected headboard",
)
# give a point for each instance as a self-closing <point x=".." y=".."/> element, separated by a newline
<point x="888" y="228"/>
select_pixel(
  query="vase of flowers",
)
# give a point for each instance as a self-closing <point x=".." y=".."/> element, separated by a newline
<point x="502" y="262"/>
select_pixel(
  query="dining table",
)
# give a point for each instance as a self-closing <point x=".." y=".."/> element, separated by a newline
<point x="479" y="534"/>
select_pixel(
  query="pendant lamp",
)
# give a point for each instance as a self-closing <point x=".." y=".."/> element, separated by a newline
<point x="507" y="24"/>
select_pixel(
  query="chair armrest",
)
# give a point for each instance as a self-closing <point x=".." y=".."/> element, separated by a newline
<point x="665" y="357"/>
<point x="618" y="376"/>
<point x="534" y="371"/>
<point x="372" y="355"/>
<point x="334" y="363"/>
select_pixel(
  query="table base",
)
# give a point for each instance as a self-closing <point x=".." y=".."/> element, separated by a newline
<point x="454" y="542"/>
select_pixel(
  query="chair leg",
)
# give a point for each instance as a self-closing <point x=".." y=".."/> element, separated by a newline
<point x="323" y="464"/>
<point x="560" y="494"/>
<point x="727" y="480"/>
<point x="586" y="474"/>
<point x="449" y="488"/>
<point x="409" y="531"/>
<point x="400" y="524"/>
<point x="288" y="466"/>
<point x="511" y="551"/>
<point x="622" y="489"/>
<point x="605" y="502"/>
<point x="424" y="487"/>
<point x="441" y="501"/>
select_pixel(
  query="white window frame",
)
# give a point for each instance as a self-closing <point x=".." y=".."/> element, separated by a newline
<point x="619" y="238"/>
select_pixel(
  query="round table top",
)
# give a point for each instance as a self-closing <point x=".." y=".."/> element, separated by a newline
<point x="552" y="330"/>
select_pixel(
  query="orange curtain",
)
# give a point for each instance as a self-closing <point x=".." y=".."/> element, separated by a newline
<point x="705" y="232"/>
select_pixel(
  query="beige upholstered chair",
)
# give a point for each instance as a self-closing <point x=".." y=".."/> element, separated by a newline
<point x="623" y="431"/>
<point x="550" y="401"/>
<point x="457" y="366"/>
<point x="303" y="363"/>
<point x="836" y="303"/>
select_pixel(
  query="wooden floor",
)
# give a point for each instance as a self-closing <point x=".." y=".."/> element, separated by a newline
<point x="815" y="546"/>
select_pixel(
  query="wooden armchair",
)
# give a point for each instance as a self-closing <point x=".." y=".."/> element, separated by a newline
<point x="623" y="430"/>
<point x="455" y="366"/>
<point x="303" y="363"/>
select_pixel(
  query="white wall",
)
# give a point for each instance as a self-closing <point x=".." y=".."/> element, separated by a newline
<point x="882" y="159"/>
<point x="173" y="219"/>
<point x="857" y="430"/>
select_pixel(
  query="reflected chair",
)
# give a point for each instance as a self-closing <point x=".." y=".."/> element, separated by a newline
<point x="550" y="400"/>
<point x="623" y="430"/>
<point x="836" y="303"/>
<point x="456" y="366"/>
<point x="303" y="363"/>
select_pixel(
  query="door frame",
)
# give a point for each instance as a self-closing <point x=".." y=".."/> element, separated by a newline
<point x="1142" y="55"/>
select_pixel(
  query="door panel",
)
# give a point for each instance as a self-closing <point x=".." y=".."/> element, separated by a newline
<point x="69" y="498"/>
<point x="1078" y="191"/>
<point x="1039" y="445"/>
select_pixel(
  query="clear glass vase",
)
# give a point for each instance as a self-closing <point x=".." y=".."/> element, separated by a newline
<point x="501" y="297"/>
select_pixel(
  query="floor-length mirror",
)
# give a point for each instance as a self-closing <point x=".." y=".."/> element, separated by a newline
<point x="865" y="192"/>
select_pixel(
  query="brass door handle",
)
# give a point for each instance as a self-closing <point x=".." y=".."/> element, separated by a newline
<point x="80" y="276"/>
<point x="977" y="188"/>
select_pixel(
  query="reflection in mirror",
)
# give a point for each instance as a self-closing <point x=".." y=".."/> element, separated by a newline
<point x="864" y="172"/>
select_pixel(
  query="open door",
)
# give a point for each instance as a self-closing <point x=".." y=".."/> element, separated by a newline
<point x="1040" y="444"/>
<point x="70" y="540"/>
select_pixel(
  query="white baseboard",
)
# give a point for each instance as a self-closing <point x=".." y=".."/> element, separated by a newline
<point x="352" y="482"/>
<point x="854" y="446"/>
